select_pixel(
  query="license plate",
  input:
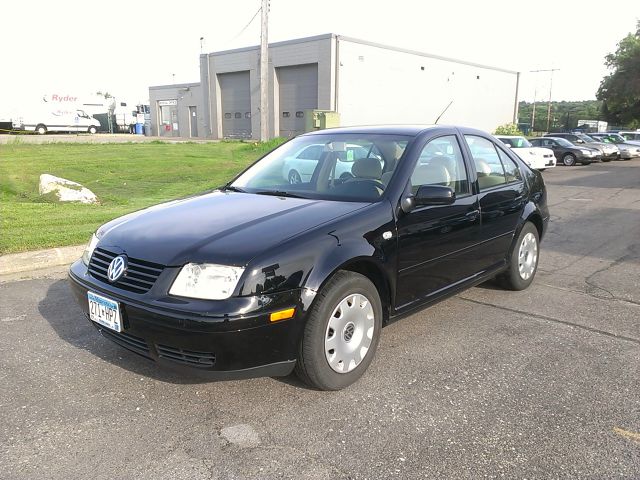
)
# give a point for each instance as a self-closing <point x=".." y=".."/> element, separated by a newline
<point x="104" y="311"/>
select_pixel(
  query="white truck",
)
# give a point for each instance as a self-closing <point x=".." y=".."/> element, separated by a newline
<point x="43" y="120"/>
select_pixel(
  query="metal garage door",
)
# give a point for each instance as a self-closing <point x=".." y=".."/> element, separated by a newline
<point x="298" y="92"/>
<point x="236" y="104"/>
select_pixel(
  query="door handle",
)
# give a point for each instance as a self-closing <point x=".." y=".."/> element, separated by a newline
<point x="472" y="215"/>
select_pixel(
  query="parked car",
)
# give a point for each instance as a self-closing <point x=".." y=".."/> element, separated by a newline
<point x="299" y="167"/>
<point x="536" y="157"/>
<point x="628" y="149"/>
<point x="261" y="276"/>
<point x="635" y="136"/>
<point x="607" y="152"/>
<point x="566" y="152"/>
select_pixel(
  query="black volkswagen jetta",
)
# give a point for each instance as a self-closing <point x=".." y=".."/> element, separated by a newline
<point x="262" y="276"/>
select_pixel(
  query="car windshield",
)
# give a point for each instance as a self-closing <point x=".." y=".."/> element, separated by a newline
<point x="331" y="166"/>
<point x="516" y="142"/>
<point x="615" y="138"/>
<point x="586" y="138"/>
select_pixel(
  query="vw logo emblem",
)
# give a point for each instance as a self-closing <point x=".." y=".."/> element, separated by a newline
<point x="117" y="268"/>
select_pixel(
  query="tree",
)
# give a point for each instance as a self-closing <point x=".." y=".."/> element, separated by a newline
<point x="564" y="115"/>
<point x="620" y="90"/>
<point x="508" y="129"/>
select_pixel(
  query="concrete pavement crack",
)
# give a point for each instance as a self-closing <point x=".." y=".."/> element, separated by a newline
<point x="591" y="283"/>
<point x="555" y="320"/>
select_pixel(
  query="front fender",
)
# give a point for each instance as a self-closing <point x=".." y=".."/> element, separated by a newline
<point x="307" y="261"/>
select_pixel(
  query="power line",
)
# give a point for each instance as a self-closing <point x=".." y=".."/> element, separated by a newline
<point x="247" y="25"/>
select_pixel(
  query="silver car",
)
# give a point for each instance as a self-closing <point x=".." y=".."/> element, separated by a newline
<point x="628" y="150"/>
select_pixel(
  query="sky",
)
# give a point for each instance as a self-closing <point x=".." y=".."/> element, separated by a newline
<point x="123" y="47"/>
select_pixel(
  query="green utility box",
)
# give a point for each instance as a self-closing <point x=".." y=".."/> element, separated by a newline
<point x="320" y="119"/>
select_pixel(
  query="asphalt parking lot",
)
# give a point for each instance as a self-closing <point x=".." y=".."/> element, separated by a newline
<point x="543" y="383"/>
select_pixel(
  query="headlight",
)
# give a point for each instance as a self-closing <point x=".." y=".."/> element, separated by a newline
<point x="88" y="251"/>
<point x="206" y="281"/>
<point x="586" y="152"/>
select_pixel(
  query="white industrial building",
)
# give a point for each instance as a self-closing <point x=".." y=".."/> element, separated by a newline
<point x="366" y="83"/>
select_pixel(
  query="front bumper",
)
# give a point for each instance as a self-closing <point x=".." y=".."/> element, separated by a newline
<point x="241" y="343"/>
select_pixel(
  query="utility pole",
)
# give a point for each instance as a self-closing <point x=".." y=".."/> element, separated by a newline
<point x="550" y="90"/>
<point x="533" y="116"/>
<point x="264" y="73"/>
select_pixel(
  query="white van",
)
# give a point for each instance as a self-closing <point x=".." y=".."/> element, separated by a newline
<point x="57" y="121"/>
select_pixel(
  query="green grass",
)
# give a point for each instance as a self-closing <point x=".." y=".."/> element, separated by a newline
<point x="125" y="177"/>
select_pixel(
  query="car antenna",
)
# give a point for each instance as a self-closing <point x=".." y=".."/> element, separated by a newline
<point x="443" y="112"/>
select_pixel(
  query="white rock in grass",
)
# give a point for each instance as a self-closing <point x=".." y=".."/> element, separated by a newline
<point x="65" y="190"/>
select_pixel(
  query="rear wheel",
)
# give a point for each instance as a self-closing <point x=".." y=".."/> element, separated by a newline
<point x="294" y="177"/>
<point x="92" y="130"/>
<point x="41" y="129"/>
<point x="569" y="160"/>
<point x="341" y="334"/>
<point x="523" y="262"/>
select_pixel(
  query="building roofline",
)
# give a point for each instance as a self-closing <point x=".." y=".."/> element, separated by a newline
<point x="177" y="85"/>
<point x="327" y="36"/>
<point x="423" y="54"/>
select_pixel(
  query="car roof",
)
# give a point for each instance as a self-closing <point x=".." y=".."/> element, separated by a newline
<point x="411" y="130"/>
<point x="509" y="136"/>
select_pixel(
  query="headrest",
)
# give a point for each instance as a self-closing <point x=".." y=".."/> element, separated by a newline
<point x="482" y="167"/>
<point x="430" y="175"/>
<point x="367" y="168"/>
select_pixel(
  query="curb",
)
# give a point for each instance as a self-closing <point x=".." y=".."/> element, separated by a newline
<point x="39" y="259"/>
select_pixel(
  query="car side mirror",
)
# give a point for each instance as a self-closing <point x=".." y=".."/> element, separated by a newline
<point x="429" y="195"/>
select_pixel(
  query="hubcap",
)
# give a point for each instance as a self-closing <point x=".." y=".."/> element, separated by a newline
<point x="294" y="178"/>
<point x="349" y="333"/>
<point x="528" y="256"/>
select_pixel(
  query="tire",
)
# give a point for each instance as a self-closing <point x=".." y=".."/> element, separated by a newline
<point x="294" y="177"/>
<point x="93" y="130"/>
<point x="569" y="160"/>
<point x="523" y="262"/>
<point x="41" y="130"/>
<point x="332" y="323"/>
<point x="606" y="160"/>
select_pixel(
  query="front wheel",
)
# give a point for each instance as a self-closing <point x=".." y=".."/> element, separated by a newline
<point x="523" y="262"/>
<point x="569" y="160"/>
<point x="341" y="334"/>
<point x="41" y="130"/>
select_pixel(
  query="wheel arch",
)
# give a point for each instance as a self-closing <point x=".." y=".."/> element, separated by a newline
<point x="368" y="268"/>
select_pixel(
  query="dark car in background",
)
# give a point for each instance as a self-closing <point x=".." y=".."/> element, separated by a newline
<point x="608" y="152"/>
<point x="566" y="152"/>
<point x="628" y="149"/>
<point x="262" y="276"/>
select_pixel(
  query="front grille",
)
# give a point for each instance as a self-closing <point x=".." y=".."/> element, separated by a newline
<point x="139" y="277"/>
<point x="130" y="342"/>
<point x="189" y="357"/>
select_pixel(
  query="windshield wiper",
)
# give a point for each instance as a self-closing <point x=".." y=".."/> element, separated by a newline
<point x="278" y="193"/>
<point x="231" y="188"/>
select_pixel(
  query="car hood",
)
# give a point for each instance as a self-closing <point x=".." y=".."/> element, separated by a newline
<point x="228" y="228"/>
